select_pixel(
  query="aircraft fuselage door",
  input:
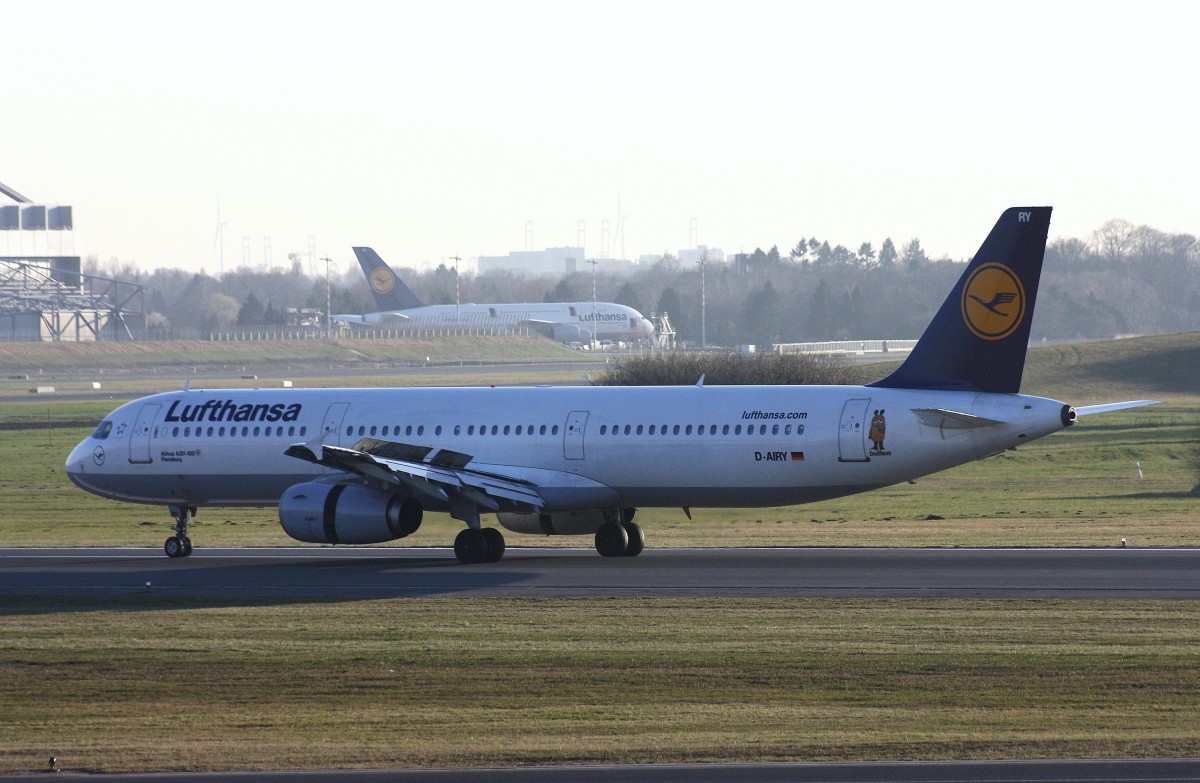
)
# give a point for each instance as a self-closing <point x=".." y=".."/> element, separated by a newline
<point x="139" y="436"/>
<point x="333" y="422"/>
<point x="852" y="432"/>
<point x="573" y="434"/>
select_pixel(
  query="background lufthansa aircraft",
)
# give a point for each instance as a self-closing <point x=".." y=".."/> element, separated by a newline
<point x="562" y="321"/>
<point x="361" y="466"/>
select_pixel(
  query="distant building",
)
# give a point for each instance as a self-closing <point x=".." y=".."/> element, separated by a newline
<point x="710" y="255"/>
<point x="553" y="261"/>
<point x="688" y="258"/>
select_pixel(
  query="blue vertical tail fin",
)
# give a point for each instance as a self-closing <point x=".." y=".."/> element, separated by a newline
<point x="389" y="290"/>
<point x="977" y="340"/>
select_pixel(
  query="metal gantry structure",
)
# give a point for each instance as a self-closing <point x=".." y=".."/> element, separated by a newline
<point x="44" y="300"/>
<point x="46" y="296"/>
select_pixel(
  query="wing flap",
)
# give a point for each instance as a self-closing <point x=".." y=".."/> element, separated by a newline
<point x="446" y="475"/>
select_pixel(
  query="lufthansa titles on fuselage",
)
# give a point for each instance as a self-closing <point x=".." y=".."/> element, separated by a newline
<point x="604" y="317"/>
<point x="228" y="410"/>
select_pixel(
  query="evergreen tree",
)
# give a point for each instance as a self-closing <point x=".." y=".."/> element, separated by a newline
<point x="627" y="295"/>
<point x="760" y="315"/>
<point x="914" y="255"/>
<point x="887" y="253"/>
<point x="822" y="314"/>
<point x="251" y="312"/>
<point x="866" y="255"/>
<point x="670" y="303"/>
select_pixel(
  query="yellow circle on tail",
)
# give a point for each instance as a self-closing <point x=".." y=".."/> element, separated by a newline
<point x="381" y="281"/>
<point x="993" y="302"/>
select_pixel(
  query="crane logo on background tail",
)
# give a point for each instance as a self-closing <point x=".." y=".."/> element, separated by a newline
<point x="381" y="281"/>
<point x="993" y="302"/>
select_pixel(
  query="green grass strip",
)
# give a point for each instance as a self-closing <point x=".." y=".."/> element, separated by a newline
<point x="153" y="683"/>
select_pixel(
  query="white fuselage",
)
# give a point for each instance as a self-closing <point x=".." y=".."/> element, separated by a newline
<point x="608" y="321"/>
<point x="582" y="447"/>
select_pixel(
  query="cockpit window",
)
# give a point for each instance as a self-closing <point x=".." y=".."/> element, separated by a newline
<point x="102" y="431"/>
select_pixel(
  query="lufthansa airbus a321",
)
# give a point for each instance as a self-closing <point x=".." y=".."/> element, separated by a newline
<point x="362" y="466"/>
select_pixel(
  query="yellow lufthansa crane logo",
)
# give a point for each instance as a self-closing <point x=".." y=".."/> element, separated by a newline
<point x="993" y="302"/>
<point x="381" y="281"/>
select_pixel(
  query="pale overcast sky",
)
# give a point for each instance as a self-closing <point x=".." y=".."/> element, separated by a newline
<point x="440" y="128"/>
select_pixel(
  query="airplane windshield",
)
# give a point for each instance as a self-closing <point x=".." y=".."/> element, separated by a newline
<point x="102" y="431"/>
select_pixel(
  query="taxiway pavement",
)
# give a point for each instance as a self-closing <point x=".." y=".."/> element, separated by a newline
<point x="380" y="572"/>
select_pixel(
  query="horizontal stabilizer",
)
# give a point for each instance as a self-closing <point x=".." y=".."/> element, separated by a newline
<point x="1088" y="410"/>
<point x="952" y="420"/>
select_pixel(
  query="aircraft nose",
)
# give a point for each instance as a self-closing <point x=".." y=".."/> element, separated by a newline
<point x="86" y="457"/>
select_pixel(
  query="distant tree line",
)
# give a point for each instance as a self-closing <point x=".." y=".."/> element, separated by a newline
<point x="728" y="369"/>
<point x="1124" y="279"/>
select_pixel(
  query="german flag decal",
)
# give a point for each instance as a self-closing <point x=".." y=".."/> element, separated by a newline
<point x="797" y="456"/>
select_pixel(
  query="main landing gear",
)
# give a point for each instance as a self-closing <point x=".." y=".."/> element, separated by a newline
<point x="479" y="545"/>
<point x="620" y="537"/>
<point x="179" y="545"/>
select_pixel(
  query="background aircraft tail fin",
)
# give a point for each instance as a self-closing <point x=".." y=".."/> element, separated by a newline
<point x="389" y="290"/>
<point x="978" y="338"/>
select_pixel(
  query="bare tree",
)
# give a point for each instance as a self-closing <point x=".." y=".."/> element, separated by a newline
<point x="1113" y="239"/>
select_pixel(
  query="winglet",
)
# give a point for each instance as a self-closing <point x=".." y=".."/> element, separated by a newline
<point x="977" y="340"/>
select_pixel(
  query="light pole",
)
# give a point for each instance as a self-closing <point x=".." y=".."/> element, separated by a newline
<point x="703" y="302"/>
<point x="456" y="259"/>
<point x="593" y="262"/>
<point x="328" y="298"/>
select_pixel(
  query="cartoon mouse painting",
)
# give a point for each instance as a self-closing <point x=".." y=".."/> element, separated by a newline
<point x="878" y="430"/>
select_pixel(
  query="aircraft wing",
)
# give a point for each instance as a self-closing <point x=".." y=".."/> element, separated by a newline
<point x="1087" y="410"/>
<point x="440" y="476"/>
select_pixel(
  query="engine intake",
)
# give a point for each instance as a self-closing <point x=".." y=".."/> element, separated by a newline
<point x="346" y="514"/>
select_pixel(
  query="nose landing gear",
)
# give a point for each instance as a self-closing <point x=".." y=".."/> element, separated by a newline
<point x="179" y="545"/>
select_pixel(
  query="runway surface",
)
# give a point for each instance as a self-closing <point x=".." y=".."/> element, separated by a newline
<point x="1122" y="771"/>
<point x="381" y="572"/>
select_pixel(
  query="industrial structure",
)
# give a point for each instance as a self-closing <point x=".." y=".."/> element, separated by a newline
<point x="43" y="293"/>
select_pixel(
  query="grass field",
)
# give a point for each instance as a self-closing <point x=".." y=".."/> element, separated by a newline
<point x="143" y="682"/>
<point x="154" y="683"/>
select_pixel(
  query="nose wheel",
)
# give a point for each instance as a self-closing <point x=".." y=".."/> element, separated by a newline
<point x="179" y="545"/>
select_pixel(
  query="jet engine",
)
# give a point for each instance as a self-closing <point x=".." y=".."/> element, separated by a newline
<point x="346" y="514"/>
<point x="565" y="333"/>
<point x="563" y="523"/>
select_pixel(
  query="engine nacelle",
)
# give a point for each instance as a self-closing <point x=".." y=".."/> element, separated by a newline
<point x="346" y="514"/>
<point x="565" y="333"/>
<point x="563" y="523"/>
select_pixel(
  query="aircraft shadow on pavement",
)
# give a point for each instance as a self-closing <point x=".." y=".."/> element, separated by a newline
<point x="127" y="585"/>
